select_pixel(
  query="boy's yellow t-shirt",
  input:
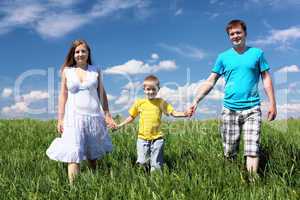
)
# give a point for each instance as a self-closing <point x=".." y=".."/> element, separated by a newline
<point x="150" y="111"/>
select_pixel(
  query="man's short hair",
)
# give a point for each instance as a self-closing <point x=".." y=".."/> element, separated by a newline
<point x="236" y="22"/>
<point x="151" y="78"/>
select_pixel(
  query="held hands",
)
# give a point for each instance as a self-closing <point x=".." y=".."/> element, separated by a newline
<point x="126" y="121"/>
<point x="109" y="121"/>
<point x="186" y="113"/>
<point x="192" y="109"/>
<point x="116" y="127"/>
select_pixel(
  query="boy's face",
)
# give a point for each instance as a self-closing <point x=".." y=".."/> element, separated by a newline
<point x="151" y="90"/>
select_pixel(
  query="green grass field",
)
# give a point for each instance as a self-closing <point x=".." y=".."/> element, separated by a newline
<point x="194" y="165"/>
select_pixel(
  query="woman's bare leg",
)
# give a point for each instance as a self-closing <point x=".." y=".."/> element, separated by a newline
<point x="73" y="170"/>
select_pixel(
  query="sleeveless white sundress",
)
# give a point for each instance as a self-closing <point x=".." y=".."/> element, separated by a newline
<point x="85" y="135"/>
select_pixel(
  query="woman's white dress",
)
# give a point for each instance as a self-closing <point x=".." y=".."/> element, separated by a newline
<point x="85" y="135"/>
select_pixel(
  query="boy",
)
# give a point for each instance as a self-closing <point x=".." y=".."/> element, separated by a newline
<point x="150" y="142"/>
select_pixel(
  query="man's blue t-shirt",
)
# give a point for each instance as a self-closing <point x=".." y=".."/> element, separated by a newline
<point x="241" y="73"/>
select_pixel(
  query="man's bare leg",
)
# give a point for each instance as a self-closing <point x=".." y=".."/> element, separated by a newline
<point x="93" y="164"/>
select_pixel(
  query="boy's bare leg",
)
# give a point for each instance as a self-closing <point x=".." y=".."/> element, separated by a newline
<point x="73" y="170"/>
<point x="252" y="164"/>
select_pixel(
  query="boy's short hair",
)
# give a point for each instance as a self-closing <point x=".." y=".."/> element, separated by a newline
<point x="151" y="78"/>
<point x="236" y="22"/>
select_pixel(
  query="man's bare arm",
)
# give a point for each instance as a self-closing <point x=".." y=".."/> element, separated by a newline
<point x="269" y="89"/>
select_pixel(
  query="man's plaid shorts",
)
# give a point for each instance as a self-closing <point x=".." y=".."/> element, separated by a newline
<point x="233" y="122"/>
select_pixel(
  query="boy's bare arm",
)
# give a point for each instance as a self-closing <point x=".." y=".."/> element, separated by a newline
<point x="128" y="120"/>
<point x="179" y="114"/>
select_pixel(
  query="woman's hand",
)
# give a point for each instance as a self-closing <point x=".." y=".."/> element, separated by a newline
<point x="60" y="126"/>
<point x="110" y="121"/>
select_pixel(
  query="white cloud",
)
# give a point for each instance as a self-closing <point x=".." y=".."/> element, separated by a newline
<point x="23" y="102"/>
<point x="19" y="107"/>
<point x="179" y="96"/>
<point x="291" y="69"/>
<point x="288" y="110"/>
<point x="64" y="2"/>
<point x="56" y="18"/>
<point x="139" y="67"/>
<point x="277" y="3"/>
<point x="130" y="67"/>
<point x="155" y="56"/>
<point x="221" y="82"/>
<point x="6" y="92"/>
<point x="178" y="12"/>
<point x="107" y="7"/>
<point x="62" y="25"/>
<point x="274" y="5"/>
<point x="185" y="50"/>
<point x="25" y="14"/>
<point x="255" y="1"/>
<point x="125" y="99"/>
<point x="184" y="95"/>
<point x="166" y="65"/>
<point x="212" y="15"/>
<point x="110" y="97"/>
<point x="206" y="110"/>
<point x="284" y="37"/>
<point x="294" y="87"/>
<point x="291" y="108"/>
<point x="213" y="1"/>
<point x="128" y="94"/>
<point x="215" y="94"/>
<point x="132" y="86"/>
<point x="20" y="15"/>
<point x="33" y="96"/>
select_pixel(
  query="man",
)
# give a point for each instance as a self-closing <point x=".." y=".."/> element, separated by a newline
<point x="241" y="67"/>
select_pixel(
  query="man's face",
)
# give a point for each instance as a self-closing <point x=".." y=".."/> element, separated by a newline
<point x="237" y="36"/>
<point x="150" y="91"/>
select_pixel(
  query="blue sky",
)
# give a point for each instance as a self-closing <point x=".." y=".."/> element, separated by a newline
<point x="177" y="40"/>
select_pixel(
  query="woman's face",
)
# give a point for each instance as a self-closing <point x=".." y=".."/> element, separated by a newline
<point x="81" y="54"/>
